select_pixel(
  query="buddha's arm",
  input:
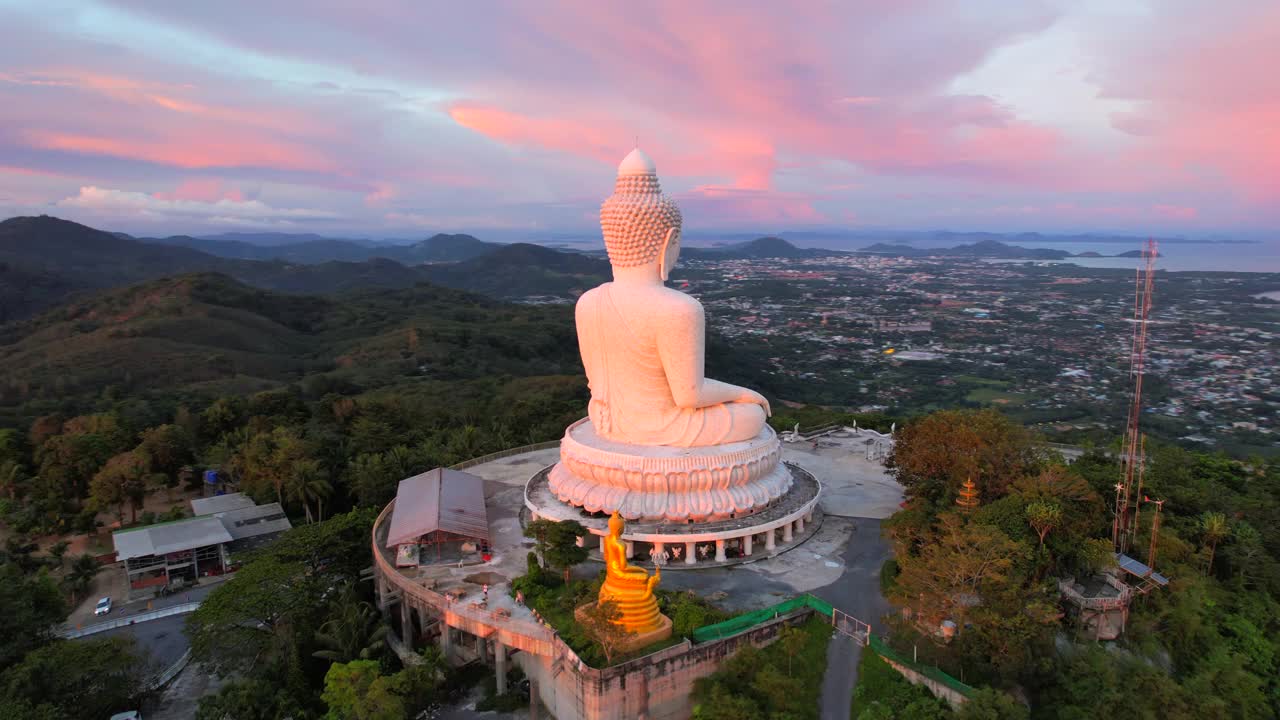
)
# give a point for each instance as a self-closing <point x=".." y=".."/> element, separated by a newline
<point x="682" y="349"/>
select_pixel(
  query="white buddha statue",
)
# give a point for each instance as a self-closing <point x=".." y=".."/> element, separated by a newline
<point x="661" y="442"/>
<point x="643" y="343"/>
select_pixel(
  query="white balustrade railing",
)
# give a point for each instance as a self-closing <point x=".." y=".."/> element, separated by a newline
<point x="126" y="621"/>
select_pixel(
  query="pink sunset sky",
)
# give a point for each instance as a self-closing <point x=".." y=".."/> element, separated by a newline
<point x="386" y="118"/>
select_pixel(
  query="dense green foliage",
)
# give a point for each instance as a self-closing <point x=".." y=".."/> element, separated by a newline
<point x="76" y="680"/>
<point x="297" y="613"/>
<point x="1205" y="646"/>
<point x="270" y="610"/>
<point x="30" y="605"/>
<point x="362" y="393"/>
<point x="780" y="681"/>
<point x="557" y="543"/>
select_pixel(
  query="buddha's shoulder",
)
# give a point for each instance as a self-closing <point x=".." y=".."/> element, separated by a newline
<point x="680" y="302"/>
<point x="658" y="298"/>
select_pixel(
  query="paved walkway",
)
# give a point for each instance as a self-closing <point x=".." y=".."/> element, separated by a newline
<point x="180" y="698"/>
<point x="195" y="594"/>
<point x="840" y="678"/>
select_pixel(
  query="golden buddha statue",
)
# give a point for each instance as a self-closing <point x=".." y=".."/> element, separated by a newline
<point x="629" y="587"/>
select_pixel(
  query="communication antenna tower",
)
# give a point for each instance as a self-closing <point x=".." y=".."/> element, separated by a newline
<point x="1133" y="455"/>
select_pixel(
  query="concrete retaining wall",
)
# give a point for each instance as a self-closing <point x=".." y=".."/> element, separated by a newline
<point x="953" y="697"/>
<point x="654" y="687"/>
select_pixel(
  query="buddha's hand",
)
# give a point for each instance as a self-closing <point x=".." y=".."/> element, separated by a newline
<point x="751" y="396"/>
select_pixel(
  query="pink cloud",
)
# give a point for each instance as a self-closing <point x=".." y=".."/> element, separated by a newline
<point x="571" y="134"/>
<point x="1176" y="212"/>
<point x="188" y="151"/>
<point x="753" y="113"/>
<point x="734" y="205"/>
<point x="202" y="190"/>
<point x="1206" y="100"/>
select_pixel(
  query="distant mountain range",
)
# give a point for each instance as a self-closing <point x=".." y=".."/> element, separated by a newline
<point x="987" y="249"/>
<point x="522" y="270"/>
<point x="981" y="249"/>
<point x="765" y="247"/>
<point x="44" y="261"/>
<point x="317" y="249"/>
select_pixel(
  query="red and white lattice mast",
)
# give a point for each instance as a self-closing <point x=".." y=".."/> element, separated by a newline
<point x="1133" y="455"/>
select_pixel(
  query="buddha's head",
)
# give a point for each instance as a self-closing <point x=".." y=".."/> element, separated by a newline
<point x="615" y="523"/>
<point x="641" y="225"/>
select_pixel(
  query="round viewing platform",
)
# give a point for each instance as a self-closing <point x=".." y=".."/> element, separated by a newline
<point x="776" y="528"/>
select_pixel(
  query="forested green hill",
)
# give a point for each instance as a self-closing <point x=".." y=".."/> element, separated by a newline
<point x="207" y="334"/>
<point x="46" y="261"/>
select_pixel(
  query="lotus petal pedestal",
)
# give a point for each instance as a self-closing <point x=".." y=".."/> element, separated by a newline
<point x="669" y="484"/>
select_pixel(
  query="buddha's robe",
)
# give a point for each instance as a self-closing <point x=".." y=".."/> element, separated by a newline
<point x="631" y="399"/>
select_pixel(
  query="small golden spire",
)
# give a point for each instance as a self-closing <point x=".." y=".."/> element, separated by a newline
<point x="968" y="499"/>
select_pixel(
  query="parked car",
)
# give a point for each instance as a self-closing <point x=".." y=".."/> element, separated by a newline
<point x="103" y="607"/>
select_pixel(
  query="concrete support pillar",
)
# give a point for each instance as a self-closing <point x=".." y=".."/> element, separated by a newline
<point x="658" y="549"/>
<point x="808" y="517"/>
<point x="769" y="543"/>
<point x="720" y="551"/>
<point x="500" y="665"/>
<point x="406" y="624"/>
<point x="480" y="648"/>
<point x="746" y="544"/>
<point x="799" y="525"/>
<point x="446" y="639"/>
<point x="631" y="549"/>
<point x="535" y="702"/>
<point x="786" y="533"/>
<point x="690" y="553"/>
<point x="602" y="545"/>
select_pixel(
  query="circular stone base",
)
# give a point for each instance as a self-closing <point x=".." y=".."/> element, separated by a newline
<point x="668" y="484"/>
<point x="800" y="502"/>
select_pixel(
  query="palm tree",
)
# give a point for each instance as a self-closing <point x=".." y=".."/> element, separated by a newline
<point x="83" y="569"/>
<point x="354" y="631"/>
<point x="12" y="474"/>
<point x="307" y="483"/>
<point x="1214" y="528"/>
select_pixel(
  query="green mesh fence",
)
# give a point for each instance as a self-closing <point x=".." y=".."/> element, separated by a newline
<point x="878" y="645"/>
<point x="740" y="623"/>
<point x="746" y="621"/>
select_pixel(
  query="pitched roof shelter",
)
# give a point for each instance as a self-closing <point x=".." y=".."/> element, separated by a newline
<point x="439" y="500"/>
<point x="169" y="537"/>
<point x="220" y="503"/>
<point x="255" y="520"/>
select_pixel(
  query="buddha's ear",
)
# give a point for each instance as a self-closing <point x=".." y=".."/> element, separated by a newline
<point x="665" y="259"/>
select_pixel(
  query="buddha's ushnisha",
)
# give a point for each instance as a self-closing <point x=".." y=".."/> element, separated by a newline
<point x="643" y="343"/>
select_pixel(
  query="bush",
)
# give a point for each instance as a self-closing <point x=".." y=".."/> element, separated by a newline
<point x="883" y="693"/>
<point x="688" y="611"/>
<point x="780" y="680"/>
<point x="889" y="575"/>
